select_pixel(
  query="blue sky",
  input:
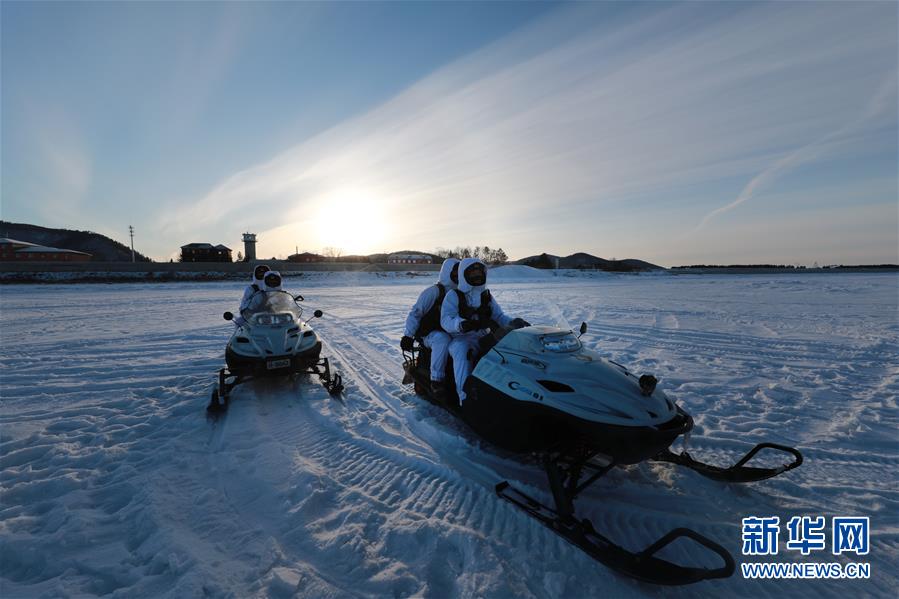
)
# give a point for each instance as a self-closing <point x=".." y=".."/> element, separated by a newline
<point x="676" y="133"/>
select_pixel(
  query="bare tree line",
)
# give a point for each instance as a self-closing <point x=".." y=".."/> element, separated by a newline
<point x="490" y="256"/>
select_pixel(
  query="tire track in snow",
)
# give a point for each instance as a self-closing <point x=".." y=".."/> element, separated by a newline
<point x="401" y="491"/>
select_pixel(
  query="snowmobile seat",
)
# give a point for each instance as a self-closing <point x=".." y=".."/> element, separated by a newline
<point x="422" y="377"/>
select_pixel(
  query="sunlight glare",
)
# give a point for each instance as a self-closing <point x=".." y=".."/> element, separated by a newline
<point x="352" y="221"/>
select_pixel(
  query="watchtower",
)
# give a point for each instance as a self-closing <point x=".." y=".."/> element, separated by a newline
<point x="249" y="246"/>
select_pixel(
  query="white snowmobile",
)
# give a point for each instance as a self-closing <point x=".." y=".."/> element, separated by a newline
<point x="538" y="391"/>
<point x="272" y="340"/>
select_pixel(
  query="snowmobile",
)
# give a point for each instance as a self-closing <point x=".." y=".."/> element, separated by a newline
<point x="538" y="392"/>
<point x="271" y="339"/>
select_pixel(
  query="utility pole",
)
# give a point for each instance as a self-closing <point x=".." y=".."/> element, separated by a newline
<point x="131" y="231"/>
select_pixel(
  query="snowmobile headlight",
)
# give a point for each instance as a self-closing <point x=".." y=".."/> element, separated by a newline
<point x="567" y="343"/>
<point x="274" y="319"/>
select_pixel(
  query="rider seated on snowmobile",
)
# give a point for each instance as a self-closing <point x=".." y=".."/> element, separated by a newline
<point x="468" y="314"/>
<point x="271" y="283"/>
<point x="272" y="280"/>
<point x="252" y="289"/>
<point x="423" y="323"/>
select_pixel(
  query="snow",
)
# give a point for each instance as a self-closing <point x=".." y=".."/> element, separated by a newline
<point x="517" y="271"/>
<point x="112" y="481"/>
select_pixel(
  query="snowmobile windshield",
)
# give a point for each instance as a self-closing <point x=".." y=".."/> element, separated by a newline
<point x="272" y="308"/>
<point x="561" y="343"/>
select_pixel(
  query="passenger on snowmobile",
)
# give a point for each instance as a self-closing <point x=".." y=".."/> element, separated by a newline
<point x="271" y="341"/>
<point x="253" y="288"/>
<point x="271" y="286"/>
<point x="423" y="322"/>
<point x="272" y="281"/>
<point x="468" y="314"/>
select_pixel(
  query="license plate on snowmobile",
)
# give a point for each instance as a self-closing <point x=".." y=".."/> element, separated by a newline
<point x="273" y="364"/>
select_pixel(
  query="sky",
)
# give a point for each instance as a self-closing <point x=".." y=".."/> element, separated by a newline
<point x="678" y="133"/>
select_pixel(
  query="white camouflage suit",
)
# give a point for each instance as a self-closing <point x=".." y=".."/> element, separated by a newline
<point x="437" y="340"/>
<point x="249" y="292"/>
<point x="462" y="344"/>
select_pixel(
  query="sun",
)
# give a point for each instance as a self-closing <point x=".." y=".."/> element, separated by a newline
<point x="352" y="221"/>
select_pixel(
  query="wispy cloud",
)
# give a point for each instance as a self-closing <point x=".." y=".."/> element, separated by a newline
<point x="59" y="161"/>
<point x="203" y="61"/>
<point x="883" y="99"/>
<point x="545" y="129"/>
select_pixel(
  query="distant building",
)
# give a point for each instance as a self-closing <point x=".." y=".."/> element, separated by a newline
<point x="205" y="252"/>
<point x="249" y="246"/>
<point x="306" y="257"/>
<point x="12" y="250"/>
<point x="408" y="259"/>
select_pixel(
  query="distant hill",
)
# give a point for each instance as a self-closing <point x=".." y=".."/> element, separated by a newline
<point x="587" y="261"/>
<point x="101" y="247"/>
<point x="583" y="260"/>
<point x="542" y="261"/>
<point x="634" y="264"/>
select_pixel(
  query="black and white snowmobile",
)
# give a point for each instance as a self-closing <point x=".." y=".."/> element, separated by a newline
<point x="271" y="339"/>
<point x="538" y="391"/>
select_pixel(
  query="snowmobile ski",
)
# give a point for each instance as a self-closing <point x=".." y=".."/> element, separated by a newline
<point x="227" y="380"/>
<point x="739" y="472"/>
<point x="218" y="403"/>
<point x="643" y="565"/>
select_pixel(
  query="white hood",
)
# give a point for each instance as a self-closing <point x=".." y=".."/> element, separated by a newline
<point x="445" y="271"/>
<point x="256" y="281"/>
<point x="472" y="294"/>
<point x="266" y="287"/>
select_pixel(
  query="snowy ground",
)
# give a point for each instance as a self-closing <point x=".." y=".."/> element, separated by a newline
<point x="114" y="483"/>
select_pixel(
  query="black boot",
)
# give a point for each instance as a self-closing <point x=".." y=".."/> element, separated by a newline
<point x="442" y="396"/>
<point x="438" y="391"/>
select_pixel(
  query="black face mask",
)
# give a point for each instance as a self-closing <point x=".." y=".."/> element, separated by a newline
<point x="272" y="281"/>
<point x="260" y="271"/>
<point x="476" y="275"/>
<point x="454" y="273"/>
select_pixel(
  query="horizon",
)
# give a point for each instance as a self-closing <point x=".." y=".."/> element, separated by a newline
<point x="671" y="133"/>
<point x="435" y="252"/>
